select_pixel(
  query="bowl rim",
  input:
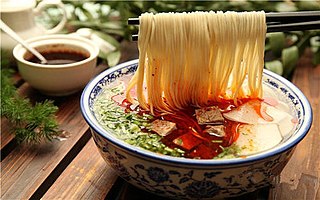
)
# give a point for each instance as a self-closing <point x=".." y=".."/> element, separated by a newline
<point x="93" y="123"/>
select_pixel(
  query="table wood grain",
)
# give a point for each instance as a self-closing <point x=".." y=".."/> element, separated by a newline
<point x="86" y="176"/>
<point x="71" y="167"/>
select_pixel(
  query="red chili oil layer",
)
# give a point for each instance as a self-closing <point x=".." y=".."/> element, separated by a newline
<point x="200" y="144"/>
<point x="192" y="137"/>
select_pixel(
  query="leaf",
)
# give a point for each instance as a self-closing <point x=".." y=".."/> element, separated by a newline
<point x="171" y="192"/>
<point x="316" y="58"/>
<point x="289" y="59"/>
<point x="184" y="179"/>
<point x="87" y="14"/>
<point x="139" y="166"/>
<point x="120" y="156"/>
<point x="174" y="187"/>
<point x="190" y="173"/>
<point x="107" y="38"/>
<point x="292" y="39"/>
<point x="174" y="172"/>
<point x="267" y="47"/>
<point x="315" y="41"/>
<point x="211" y="174"/>
<point x="274" y="66"/>
<point x="77" y="23"/>
<point x="115" y="32"/>
<point x="309" y="5"/>
<point x="113" y="58"/>
<point x="277" y="42"/>
<point x="285" y="7"/>
<point x="112" y="25"/>
<point x="143" y="179"/>
<point x="304" y="42"/>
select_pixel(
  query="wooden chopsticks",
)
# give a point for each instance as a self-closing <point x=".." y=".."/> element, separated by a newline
<point x="277" y="21"/>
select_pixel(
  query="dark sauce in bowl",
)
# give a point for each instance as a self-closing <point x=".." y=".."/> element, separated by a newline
<point x="59" y="57"/>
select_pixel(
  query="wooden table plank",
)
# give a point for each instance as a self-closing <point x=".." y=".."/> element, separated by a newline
<point x="87" y="177"/>
<point x="28" y="169"/>
<point x="300" y="178"/>
<point x="6" y="135"/>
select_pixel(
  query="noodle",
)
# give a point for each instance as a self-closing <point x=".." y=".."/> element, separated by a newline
<point x="192" y="58"/>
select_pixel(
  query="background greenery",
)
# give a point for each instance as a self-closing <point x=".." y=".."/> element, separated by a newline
<point x="109" y="20"/>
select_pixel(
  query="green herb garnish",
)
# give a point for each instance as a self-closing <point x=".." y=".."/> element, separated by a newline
<point x="128" y="125"/>
<point x="229" y="152"/>
<point x="29" y="123"/>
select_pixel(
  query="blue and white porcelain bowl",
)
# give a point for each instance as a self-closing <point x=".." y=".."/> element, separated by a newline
<point x="182" y="178"/>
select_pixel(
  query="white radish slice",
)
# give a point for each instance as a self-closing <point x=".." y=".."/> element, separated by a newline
<point x="248" y="115"/>
<point x="284" y="120"/>
<point x="271" y="101"/>
<point x="269" y="93"/>
<point x="286" y="126"/>
<point x="283" y="107"/>
<point x="257" y="138"/>
<point x="244" y="113"/>
<point x="271" y="98"/>
<point x="276" y="114"/>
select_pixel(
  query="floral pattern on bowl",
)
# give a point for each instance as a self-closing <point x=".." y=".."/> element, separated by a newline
<point x="182" y="178"/>
<point x="183" y="182"/>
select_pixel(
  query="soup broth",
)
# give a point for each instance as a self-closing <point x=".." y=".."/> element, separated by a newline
<point x="59" y="57"/>
<point x="224" y="129"/>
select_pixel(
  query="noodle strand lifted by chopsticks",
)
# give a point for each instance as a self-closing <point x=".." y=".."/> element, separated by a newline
<point x="191" y="58"/>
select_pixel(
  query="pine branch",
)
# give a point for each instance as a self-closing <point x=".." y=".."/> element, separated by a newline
<point x="29" y="123"/>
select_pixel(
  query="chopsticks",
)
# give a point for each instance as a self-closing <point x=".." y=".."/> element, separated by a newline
<point x="289" y="17"/>
<point x="300" y="26"/>
<point x="292" y="21"/>
<point x="277" y="21"/>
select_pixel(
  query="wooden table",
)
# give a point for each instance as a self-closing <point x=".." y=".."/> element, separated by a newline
<point x="72" y="168"/>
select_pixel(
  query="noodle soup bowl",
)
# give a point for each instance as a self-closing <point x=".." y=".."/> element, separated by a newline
<point x="183" y="178"/>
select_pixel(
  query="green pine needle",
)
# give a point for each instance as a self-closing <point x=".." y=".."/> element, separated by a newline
<point x="30" y="123"/>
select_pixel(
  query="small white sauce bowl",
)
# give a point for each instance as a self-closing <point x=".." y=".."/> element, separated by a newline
<point x="62" y="79"/>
